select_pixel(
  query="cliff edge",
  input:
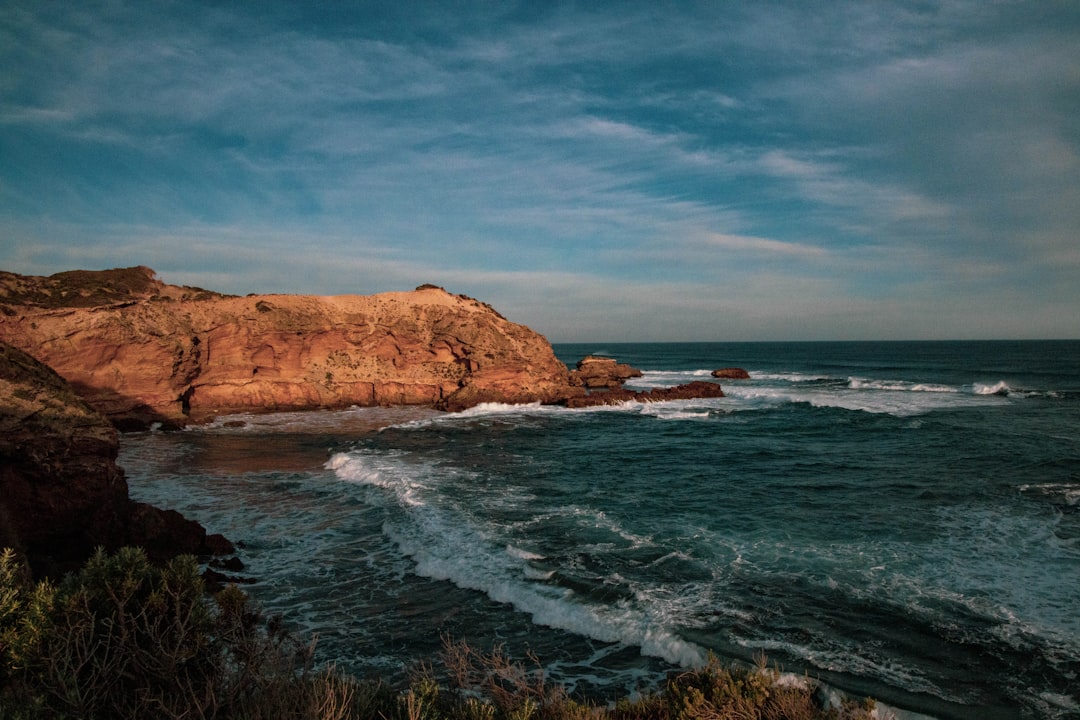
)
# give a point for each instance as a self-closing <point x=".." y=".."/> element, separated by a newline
<point x="61" y="491"/>
<point x="142" y="351"/>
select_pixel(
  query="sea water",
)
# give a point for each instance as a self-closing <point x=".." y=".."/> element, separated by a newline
<point x="898" y="520"/>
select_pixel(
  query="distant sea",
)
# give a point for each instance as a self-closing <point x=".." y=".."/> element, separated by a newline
<point x="896" y="519"/>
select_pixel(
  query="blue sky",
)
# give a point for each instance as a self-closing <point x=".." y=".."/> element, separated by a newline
<point x="597" y="171"/>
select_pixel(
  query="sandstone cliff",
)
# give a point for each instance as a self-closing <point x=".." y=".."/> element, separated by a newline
<point x="141" y="351"/>
<point x="61" y="492"/>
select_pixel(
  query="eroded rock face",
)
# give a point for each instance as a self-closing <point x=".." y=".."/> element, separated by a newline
<point x="144" y="351"/>
<point x="61" y="492"/>
<point x="594" y="372"/>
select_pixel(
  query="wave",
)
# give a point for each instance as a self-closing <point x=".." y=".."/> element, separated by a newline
<point x="998" y="388"/>
<point x="665" y="412"/>
<point x="899" y="403"/>
<point x="856" y="383"/>
<point x="794" y="377"/>
<point x="1068" y="493"/>
<point x="444" y="543"/>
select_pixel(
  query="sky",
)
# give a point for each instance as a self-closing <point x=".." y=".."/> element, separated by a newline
<point x="599" y="171"/>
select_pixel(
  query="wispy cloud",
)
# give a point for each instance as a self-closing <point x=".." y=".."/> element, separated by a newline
<point x="764" y="246"/>
<point x="795" y="167"/>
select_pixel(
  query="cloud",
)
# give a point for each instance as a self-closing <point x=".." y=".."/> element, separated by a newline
<point x="763" y="246"/>
<point x="772" y="161"/>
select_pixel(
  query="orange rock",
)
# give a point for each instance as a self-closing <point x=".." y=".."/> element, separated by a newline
<point x="602" y="372"/>
<point x="142" y="351"/>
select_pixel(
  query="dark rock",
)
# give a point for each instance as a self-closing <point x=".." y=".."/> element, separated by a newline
<point x="218" y="544"/>
<point x="731" y="374"/>
<point x="61" y="491"/>
<point x="215" y="580"/>
<point x="690" y="391"/>
<point x="164" y="533"/>
<point x="233" y="564"/>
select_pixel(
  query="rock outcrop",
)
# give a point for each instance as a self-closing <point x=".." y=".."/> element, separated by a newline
<point x="690" y="391"/>
<point x="142" y="351"/>
<point x="61" y="492"/>
<point x="594" y="372"/>
<point x="731" y="373"/>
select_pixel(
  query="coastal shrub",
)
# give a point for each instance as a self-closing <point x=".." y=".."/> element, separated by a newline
<point x="123" y="638"/>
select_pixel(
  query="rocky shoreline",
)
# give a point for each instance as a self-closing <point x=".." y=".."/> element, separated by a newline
<point x="143" y="352"/>
<point x="85" y="353"/>
<point x="61" y="492"/>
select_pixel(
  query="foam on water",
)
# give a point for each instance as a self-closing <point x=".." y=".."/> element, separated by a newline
<point x="794" y="377"/>
<point x="901" y="398"/>
<point x="900" y="386"/>
<point x="998" y="388"/>
<point x="447" y="545"/>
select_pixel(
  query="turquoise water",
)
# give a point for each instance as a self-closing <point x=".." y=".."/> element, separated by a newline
<point x="896" y="519"/>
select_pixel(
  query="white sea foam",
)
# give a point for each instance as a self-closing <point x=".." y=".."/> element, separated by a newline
<point x="446" y="545"/>
<point x="1068" y="492"/>
<point x="666" y="378"/>
<point x="851" y="660"/>
<point x="867" y="396"/>
<point x="856" y="383"/>
<point x="793" y="377"/>
<point x="522" y="554"/>
<point x="999" y="388"/>
<point x="681" y="409"/>
<point x="491" y="408"/>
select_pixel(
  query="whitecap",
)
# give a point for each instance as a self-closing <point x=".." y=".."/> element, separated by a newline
<point x="493" y="408"/>
<point x="856" y="383"/>
<point x="792" y="377"/>
<point x="522" y="554"/>
<point x="999" y="388"/>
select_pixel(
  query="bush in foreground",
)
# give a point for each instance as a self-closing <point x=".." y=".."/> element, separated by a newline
<point x="123" y="638"/>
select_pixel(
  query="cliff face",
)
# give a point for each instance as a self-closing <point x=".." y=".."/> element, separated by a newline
<point x="61" y="492"/>
<point x="140" y="351"/>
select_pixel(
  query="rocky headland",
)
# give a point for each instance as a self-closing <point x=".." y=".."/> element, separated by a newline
<point x="61" y="491"/>
<point x="142" y="351"/>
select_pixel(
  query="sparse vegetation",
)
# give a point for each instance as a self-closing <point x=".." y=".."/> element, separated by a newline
<point x="122" y="638"/>
<point x="90" y="288"/>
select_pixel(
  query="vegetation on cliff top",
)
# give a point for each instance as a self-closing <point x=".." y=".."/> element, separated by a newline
<point x="88" y="288"/>
<point x="33" y="395"/>
<point x="123" y="638"/>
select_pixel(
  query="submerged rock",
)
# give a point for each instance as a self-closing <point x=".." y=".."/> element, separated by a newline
<point x="731" y="373"/>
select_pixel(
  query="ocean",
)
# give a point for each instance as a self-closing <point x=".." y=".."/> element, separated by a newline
<point x="895" y="519"/>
